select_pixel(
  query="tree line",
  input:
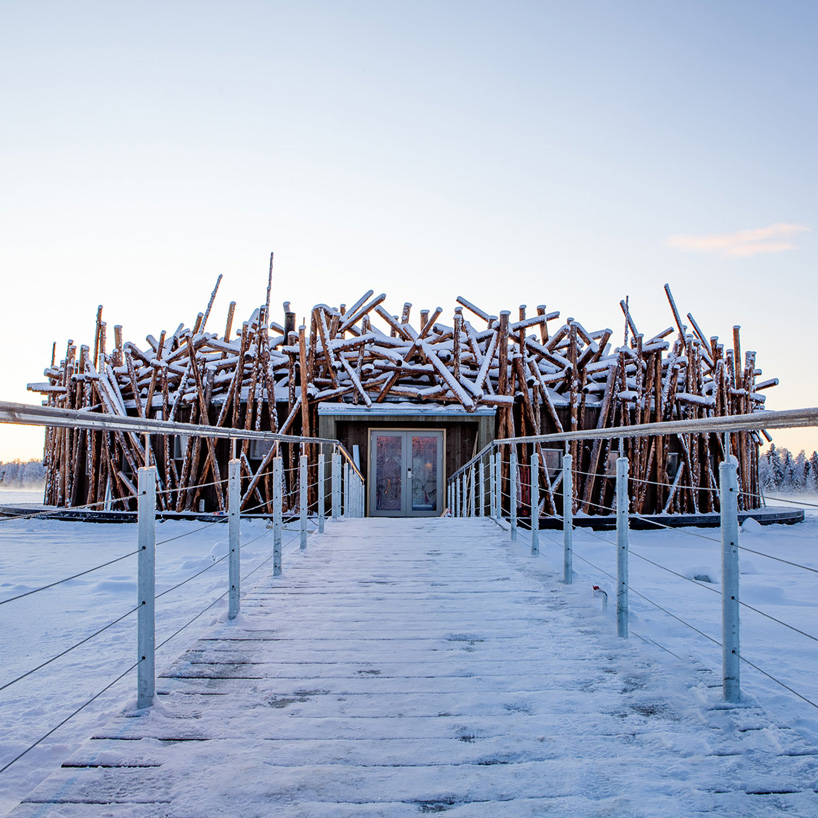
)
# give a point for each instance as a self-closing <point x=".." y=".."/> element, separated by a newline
<point x="20" y="473"/>
<point x="781" y="470"/>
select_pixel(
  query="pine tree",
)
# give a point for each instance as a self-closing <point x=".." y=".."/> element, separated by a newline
<point x="776" y="468"/>
<point x="788" y="479"/>
<point x="765" y="473"/>
<point x="812" y="478"/>
<point x="799" y="471"/>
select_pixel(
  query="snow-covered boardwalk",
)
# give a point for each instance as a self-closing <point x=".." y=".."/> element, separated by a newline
<point x="416" y="666"/>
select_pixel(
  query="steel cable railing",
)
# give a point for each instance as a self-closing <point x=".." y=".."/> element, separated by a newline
<point x="701" y="633"/>
<point x="120" y="618"/>
<point x="122" y="675"/>
<point x="513" y="493"/>
<point x="346" y="498"/>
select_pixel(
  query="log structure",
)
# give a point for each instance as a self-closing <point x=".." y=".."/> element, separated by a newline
<point x="540" y="373"/>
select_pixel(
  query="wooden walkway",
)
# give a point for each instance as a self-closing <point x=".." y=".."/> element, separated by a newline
<point x="402" y="667"/>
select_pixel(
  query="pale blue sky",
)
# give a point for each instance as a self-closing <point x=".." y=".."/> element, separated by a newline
<point x="511" y="152"/>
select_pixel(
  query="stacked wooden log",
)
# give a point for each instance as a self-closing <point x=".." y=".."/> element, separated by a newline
<point x="541" y="374"/>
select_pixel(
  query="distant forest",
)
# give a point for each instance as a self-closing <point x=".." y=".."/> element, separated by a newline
<point x="781" y="470"/>
<point x="19" y="474"/>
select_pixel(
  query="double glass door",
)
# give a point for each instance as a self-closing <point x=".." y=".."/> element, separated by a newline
<point x="405" y="473"/>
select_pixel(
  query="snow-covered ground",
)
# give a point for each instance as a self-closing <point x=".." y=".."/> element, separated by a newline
<point x="35" y="628"/>
<point x="786" y="592"/>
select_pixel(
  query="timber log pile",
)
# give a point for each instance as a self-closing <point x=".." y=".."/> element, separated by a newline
<point x="541" y="374"/>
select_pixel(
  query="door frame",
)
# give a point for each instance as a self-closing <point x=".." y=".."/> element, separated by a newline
<point x="370" y="470"/>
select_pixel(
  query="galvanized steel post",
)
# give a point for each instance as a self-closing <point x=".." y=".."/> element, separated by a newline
<point x="473" y="493"/>
<point x="457" y="502"/>
<point x="567" y="519"/>
<point x="322" y="488"/>
<point x="146" y="588"/>
<point x="336" y="486"/>
<point x="302" y="499"/>
<point x="234" y="536"/>
<point x="512" y="490"/>
<point x="622" y="508"/>
<point x="731" y="661"/>
<point x="345" y="498"/>
<point x="278" y="513"/>
<point x="498" y="483"/>
<point x="482" y="510"/>
<point x="535" y="505"/>
<point x="492" y="493"/>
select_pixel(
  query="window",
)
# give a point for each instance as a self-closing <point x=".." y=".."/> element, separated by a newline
<point x="553" y="461"/>
<point x="179" y="446"/>
<point x="260" y="448"/>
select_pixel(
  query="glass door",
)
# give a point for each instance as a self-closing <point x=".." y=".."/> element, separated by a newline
<point x="405" y="473"/>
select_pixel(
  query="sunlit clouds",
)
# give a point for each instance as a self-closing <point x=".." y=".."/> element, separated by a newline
<point x="772" y="239"/>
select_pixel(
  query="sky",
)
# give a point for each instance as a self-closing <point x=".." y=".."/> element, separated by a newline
<point x="565" y="153"/>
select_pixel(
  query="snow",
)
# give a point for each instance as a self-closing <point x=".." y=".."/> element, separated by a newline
<point x="408" y="666"/>
<point x="36" y="552"/>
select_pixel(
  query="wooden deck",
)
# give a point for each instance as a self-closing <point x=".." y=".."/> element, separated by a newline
<point x="402" y="667"/>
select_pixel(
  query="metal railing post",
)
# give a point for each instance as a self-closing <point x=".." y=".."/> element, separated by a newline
<point x="492" y="490"/>
<point x="361" y="497"/>
<point x="146" y="588"/>
<point x="567" y="519"/>
<point x="622" y="508"/>
<point x="336" y="486"/>
<point x="731" y="661"/>
<point x="345" y="498"/>
<point x="512" y="491"/>
<point x="302" y="499"/>
<point x="482" y="477"/>
<point x="498" y="483"/>
<point x="322" y="488"/>
<point x="234" y="535"/>
<point x="278" y="512"/>
<point x="473" y="492"/>
<point x="535" y="505"/>
<point x="458" y="487"/>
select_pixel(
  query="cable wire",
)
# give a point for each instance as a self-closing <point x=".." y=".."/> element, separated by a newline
<point x="195" y="530"/>
<point x="68" y="718"/>
<point x="702" y="633"/>
<point x="777" y="559"/>
<point x="780" y="622"/>
<point x="675" y="573"/>
<point x="674" y="528"/>
<point x="197" y="574"/>
<point x="56" y="510"/>
<point x="68" y="650"/>
<point x="68" y="579"/>
<point x="773" y="678"/>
